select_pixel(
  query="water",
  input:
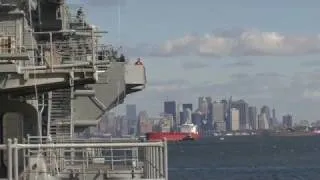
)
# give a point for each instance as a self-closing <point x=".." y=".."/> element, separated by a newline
<point x="242" y="158"/>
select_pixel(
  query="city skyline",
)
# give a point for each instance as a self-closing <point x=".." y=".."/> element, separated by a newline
<point x="266" y="52"/>
<point x="194" y="108"/>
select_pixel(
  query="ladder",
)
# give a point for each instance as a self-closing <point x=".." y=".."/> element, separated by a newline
<point x="60" y="119"/>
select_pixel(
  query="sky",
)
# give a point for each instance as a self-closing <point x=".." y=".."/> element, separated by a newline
<point x="266" y="52"/>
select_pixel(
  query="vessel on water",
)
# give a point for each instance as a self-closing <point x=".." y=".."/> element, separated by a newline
<point x="57" y="80"/>
<point x="187" y="132"/>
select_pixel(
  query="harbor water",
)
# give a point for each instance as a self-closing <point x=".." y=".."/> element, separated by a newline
<point x="242" y="158"/>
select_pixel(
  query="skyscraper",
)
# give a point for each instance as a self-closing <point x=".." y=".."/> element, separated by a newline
<point x="266" y="110"/>
<point x="188" y="115"/>
<point x="170" y="108"/>
<point x="144" y="124"/>
<point x="187" y="106"/>
<point x="235" y="119"/>
<point x="203" y="105"/>
<point x="219" y="115"/>
<point x="263" y="121"/>
<point x="274" y="117"/>
<point x="131" y="111"/>
<point x="287" y="121"/>
<point x="131" y="116"/>
<point x="243" y="108"/>
<point x="253" y="122"/>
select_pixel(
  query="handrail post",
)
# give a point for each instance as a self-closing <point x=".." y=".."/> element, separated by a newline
<point x="16" y="159"/>
<point x="9" y="164"/>
<point x="51" y="51"/>
<point x="165" y="155"/>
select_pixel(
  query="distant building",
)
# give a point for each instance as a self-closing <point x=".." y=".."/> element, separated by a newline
<point x="170" y="108"/>
<point x="124" y="129"/>
<point x="244" y="113"/>
<point x="131" y="116"/>
<point x="266" y="110"/>
<point x="197" y="118"/>
<point x="253" y="122"/>
<point x="263" y="121"/>
<point x="182" y="117"/>
<point x="188" y="115"/>
<point x="187" y="106"/>
<point x="144" y="124"/>
<point x="287" y="121"/>
<point x="219" y="115"/>
<point x="235" y="119"/>
<point x="203" y="105"/>
<point x="166" y="123"/>
<point x="274" y="117"/>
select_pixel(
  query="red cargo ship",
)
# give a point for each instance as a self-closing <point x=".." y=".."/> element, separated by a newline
<point x="187" y="132"/>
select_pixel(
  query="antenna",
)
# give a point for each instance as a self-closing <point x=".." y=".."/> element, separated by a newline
<point x="119" y="23"/>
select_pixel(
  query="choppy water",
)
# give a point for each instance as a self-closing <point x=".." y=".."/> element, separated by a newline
<point x="246" y="158"/>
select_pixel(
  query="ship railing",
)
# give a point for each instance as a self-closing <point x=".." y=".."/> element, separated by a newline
<point x="155" y="164"/>
<point x="11" y="48"/>
<point x="75" y="53"/>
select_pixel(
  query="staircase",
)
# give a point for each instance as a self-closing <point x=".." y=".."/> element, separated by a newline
<point x="60" y="120"/>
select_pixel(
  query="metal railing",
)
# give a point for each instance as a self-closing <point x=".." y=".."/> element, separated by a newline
<point x="79" y="50"/>
<point x="144" y="160"/>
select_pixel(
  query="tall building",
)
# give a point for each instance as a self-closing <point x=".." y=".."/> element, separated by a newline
<point x="263" y="121"/>
<point x="196" y="118"/>
<point x="182" y="117"/>
<point x="219" y="115"/>
<point x="203" y="105"/>
<point x="144" y="125"/>
<point x="131" y="116"/>
<point x="187" y="106"/>
<point x="170" y="108"/>
<point x="166" y="122"/>
<point x="274" y="117"/>
<point x="235" y="119"/>
<point x="188" y="115"/>
<point x="266" y="110"/>
<point x="244" y="113"/>
<point x="228" y="114"/>
<point x="253" y="122"/>
<point x="287" y="121"/>
<point x="131" y="111"/>
<point x="124" y="126"/>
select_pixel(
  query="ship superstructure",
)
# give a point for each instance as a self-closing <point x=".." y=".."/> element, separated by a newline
<point x="56" y="80"/>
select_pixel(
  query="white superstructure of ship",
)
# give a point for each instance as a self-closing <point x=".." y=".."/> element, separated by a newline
<point x="189" y="128"/>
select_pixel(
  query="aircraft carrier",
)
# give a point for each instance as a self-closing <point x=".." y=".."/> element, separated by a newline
<point x="57" y="79"/>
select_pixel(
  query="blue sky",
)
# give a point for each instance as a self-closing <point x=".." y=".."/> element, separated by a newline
<point x="266" y="52"/>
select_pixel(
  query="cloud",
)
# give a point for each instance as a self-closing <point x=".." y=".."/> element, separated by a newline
<point x="168" y="85"/>
<point x="194" y="64"/>
<point x="104" y="3"/>
<point x="239" y="43"/>
<point x="311" y="63"/>
<point x="239" y="63"/>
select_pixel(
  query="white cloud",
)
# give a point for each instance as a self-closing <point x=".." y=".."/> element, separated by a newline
<point x="243" y="43"/>
<point x="311" y="93"/>
<point x="104" y="3"/>
<point x="239" y="63"/>
<point x="165" y="86"/>
<point x="194" y="64"/>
